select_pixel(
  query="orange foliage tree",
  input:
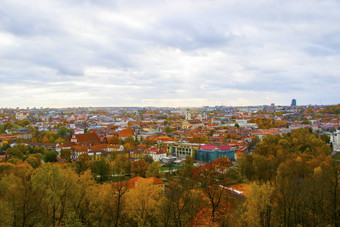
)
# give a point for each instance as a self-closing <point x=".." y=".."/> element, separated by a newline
<point x="214" y="179"/>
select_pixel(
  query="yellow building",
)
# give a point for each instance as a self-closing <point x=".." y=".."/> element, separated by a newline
<point x="181" y="150"/>
<point x="137" y="154"/>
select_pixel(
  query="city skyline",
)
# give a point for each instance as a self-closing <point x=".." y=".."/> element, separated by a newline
<point x="169" y="53"/>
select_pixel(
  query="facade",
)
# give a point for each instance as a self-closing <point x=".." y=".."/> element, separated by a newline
<point x="95" y="156"/>
<point x="209" y="152"/>
<point x="156" y="154"/>
<point x="21" y="115"/>
<point x="136" y="154"/>
<point x="187" y="115"/>
<point x="192" y="124"/>
<point x="335" y="139"/>
<point x="181" y="150"/>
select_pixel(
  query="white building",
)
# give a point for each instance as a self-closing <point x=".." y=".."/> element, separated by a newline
<point x="335" y="139"/>
<point x="21" y="115"/>
<point x="157" y="155"/>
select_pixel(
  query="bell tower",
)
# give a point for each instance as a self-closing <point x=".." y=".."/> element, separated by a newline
<point x="187" y="115"/>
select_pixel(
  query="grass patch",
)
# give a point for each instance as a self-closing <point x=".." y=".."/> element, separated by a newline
<point x="167" y="168"/>
<point x="120" y="178"/>
<point x="337" y="156"/>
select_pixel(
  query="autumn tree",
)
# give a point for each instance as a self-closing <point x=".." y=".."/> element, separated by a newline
<point x="21" y="199"/>
<point x="128" y="147"/>
<point x="143" y="202"/>
<point x="83" y="163"/>
<point x="121" y="165"/>
<point x="153" y="170"/>
<point x="139" y="168"/>
<point x="65" y="154"/>
<point x="34" y="161"/>
<point x="55" y="185"/>
<point x="214" y="180"/>
<point x="119" y="189"/>
<point x="82" y="197"/>
<point x="148" y="158"/>
<point x="179" y="205"/>
<point x="51" y="156"/>
<point x="101" y="169"/>
<point x="185" y="173"/>
<point x="259" y="205"/>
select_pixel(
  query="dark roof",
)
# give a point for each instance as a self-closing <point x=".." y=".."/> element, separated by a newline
<point x="196" y="121"/>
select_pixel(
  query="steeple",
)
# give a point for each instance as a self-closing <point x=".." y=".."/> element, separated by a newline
<point x="187" y="115"/>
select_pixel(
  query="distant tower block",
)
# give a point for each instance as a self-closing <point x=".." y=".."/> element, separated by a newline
<point x="293" y="102"/>
<point x="187" y="115"/>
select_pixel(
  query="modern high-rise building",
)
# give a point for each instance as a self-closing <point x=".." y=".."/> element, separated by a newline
<point x="293" y="102"/>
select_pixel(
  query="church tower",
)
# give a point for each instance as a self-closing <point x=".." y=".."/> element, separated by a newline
<point x="187" y="115"/>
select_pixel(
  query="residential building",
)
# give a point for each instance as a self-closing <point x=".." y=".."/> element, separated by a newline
<point x="156" y="154"/>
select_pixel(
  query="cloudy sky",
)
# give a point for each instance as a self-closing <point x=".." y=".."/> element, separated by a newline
<point x="60" y="53"/>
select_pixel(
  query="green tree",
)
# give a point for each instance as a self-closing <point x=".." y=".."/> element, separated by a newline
<point x="153" y="170"/>
<point x="185" y="173"/>
<point x="148" y="158"/>
<point x="168" y="130"/>
<point x="56" y="185"/>
<point x="121" y="165"/>
<point x="101" y="168"/>
<point x="50" y="156"/>
<point x="33" y="161"/>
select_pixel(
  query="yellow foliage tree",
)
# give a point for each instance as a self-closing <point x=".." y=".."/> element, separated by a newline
<point x="143" y="202"/>
<point x="259" y="205"/>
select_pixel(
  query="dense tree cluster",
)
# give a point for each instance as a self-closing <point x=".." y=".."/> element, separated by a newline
<point x="292" y="179"/>
<point x="295" y="182"/>
<point x="267" y="123"/>
<point x="335" y="109"/>
<point x="56" y="195"/>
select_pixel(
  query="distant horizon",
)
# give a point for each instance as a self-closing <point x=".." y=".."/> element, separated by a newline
<point x="178" y="107"/>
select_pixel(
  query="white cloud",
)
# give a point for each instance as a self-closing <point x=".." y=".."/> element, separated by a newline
<point x="168" y="53"/>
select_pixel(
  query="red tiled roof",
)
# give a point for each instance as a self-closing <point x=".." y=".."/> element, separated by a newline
<point x="4" y="156"/>
<point x="87" y="137"/>
<point x="141" y="146"/>
<point x="80" y="148"/>
<point x="164" y="138"/>
<point x="126" y="132"/>
<point x="99" y="147"/>
<point x="211" y="147"/>
<point x="69" y="144"/>
<point x="152" y="149"/>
